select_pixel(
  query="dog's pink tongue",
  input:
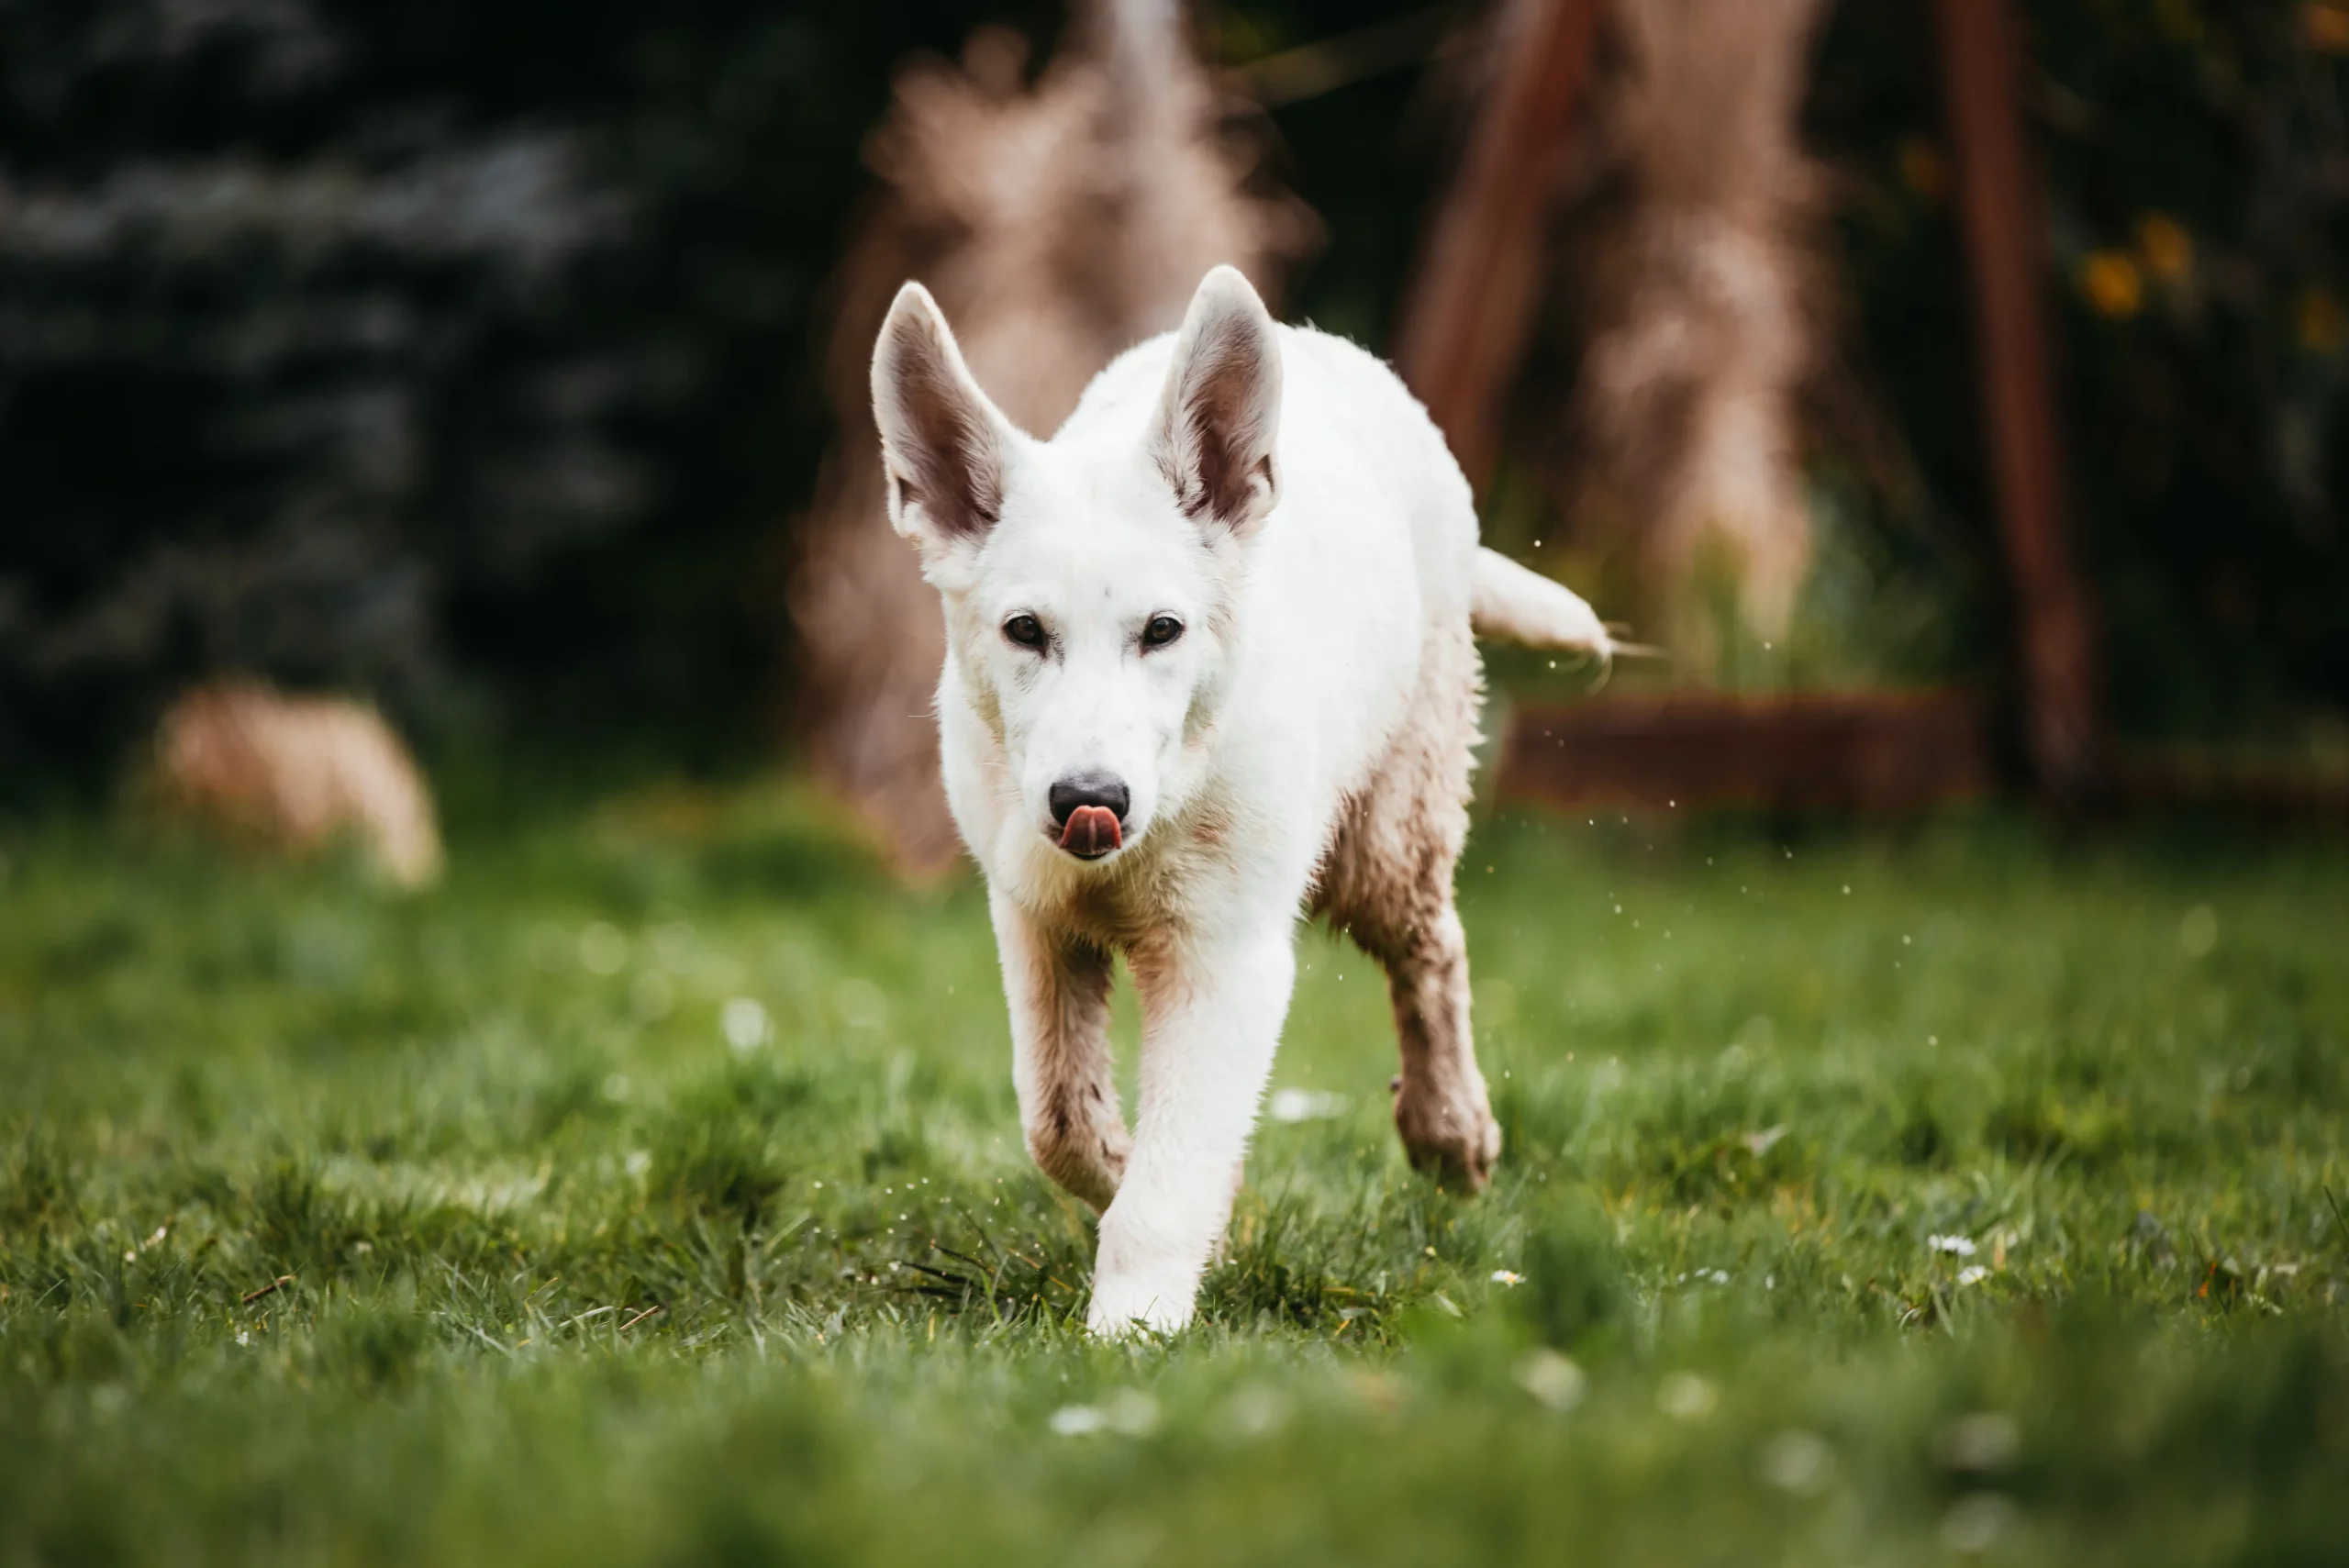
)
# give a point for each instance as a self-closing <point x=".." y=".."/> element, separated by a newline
<point x="1090" y="832"/>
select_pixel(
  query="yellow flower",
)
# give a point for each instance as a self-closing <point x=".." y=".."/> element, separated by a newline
<point x="2167" y="248"/>
<point x="2325" y="27"/>
<point x="2111" y="281"/>
<point x="2320" y="322"/>
<point x="1922" y="169"/>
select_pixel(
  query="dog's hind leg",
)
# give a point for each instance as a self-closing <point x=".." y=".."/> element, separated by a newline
<point x="1440" y="1106"/>
<point x="1058" y="988"/>
<point x="1388" y="883"/>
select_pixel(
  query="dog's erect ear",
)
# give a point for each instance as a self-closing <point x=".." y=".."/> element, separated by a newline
<point x="1221" y="410"/>
<point x="941" y="441"/>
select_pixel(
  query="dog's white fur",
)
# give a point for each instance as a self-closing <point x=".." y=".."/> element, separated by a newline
<point x="1303" y="742"/>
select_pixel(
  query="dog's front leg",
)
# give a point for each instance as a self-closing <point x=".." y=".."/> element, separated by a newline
<point x="1058" y="988"/>
<point x="1212" y="1007"/>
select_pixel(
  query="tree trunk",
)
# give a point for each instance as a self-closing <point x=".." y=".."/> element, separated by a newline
<point x="1463" y="330"/>
<point x="2057" y="666"/>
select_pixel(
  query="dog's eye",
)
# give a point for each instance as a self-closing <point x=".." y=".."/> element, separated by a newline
<point x="1162" y="631"/>
<point x="1025" y="630"/>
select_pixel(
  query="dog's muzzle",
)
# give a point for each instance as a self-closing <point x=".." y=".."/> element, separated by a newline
<point x="1090" y="808"/>
<point x="1090" y="832"/>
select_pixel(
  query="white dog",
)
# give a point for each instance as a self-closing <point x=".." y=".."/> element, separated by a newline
<point x="1209" y="663"/>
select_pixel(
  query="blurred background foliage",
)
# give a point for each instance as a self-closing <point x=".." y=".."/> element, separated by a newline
<point x="468" y="355"/>
<point x="2196" y="164"/>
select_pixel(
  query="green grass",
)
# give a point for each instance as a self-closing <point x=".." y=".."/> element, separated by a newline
<point x="562" y="1274"/>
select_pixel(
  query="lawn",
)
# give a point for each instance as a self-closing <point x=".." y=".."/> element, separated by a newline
<point x="652" y="1192"/>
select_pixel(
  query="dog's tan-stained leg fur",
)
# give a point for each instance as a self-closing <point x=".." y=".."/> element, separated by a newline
<point x="1388" y="883"/>
<point x="1058" y="986"/>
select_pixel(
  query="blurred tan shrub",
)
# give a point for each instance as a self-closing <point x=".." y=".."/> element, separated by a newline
<point x="294" y="776"/>
<point x="1704" y="285"/>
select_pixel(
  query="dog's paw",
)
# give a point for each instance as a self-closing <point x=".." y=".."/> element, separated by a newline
<point x="1452" y="1137"/>
<point x="1124" y="1307"/>
<point x="1086" y="1160"/>
<point x="1091" y="1175"/>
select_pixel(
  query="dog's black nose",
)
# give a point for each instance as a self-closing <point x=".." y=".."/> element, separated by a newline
<point x="1105" y="790"/>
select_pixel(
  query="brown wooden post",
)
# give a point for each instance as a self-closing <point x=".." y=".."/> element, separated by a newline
<point x="1999" y="205"/>
<point x="1464" y="327"/>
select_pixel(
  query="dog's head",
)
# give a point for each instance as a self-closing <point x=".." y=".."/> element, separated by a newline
<point x="1089" y="581"/>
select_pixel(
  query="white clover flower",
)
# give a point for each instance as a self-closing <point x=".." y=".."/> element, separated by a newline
<point x="1685" y="1396"/>
<point x="743" y="1021"/>
<point x="1078" y="1420"/>
<point x="1971" y="1273"/>
<point x="1132" y="1414"/>
<point x="1306" y="1104"/>
<point x="1988" y="1440"/>
<point x="1553" y="1379"/>
<point x="1257" y="1411"/>
<point x="1797" y="1461"/>
<point x="1955" y="1246"/>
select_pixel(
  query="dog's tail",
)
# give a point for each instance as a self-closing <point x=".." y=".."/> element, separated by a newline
<point x="1509" y="604"/>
